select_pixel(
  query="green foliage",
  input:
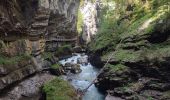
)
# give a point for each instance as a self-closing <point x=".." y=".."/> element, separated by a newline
<point x="63" y="50"/>
<point x="150" y="98"/>
<point x="56" y="66"/>
<point x="106" y="35"/>
<point x="124" y="55"/>
<point x="13" y="60"/>
<point x="117" y="68"/>
<point x="59" y="89"/>
<point x="118" y="24"/>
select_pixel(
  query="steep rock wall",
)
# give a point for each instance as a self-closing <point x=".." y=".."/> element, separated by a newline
<point x="135" y="36"/>
<point x="24" y="28"/>
<point x="62" y="22"/>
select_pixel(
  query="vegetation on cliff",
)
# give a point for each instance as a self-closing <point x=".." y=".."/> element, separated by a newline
<point x="64" y="50"/>
<point x="140" y="29"/>
<point x="59" y="89"/>
<point x="130" y="20"/>
<point x="13" y="60"/>
<point x="136" y="26"/>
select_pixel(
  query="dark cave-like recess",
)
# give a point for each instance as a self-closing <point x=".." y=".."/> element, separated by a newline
<point x="159" y="37"/>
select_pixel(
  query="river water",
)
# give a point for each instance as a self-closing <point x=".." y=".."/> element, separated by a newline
<point x="83" y="79"/>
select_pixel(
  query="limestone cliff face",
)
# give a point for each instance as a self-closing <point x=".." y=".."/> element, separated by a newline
<point x="63" y="18"/>
<point x="25" y="25"/>
<point x="35" y="19"/>
<point x="90" y="13"/>
<point x="62" y="21"/>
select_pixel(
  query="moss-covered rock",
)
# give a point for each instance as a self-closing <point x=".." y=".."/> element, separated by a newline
<point x="136" y="37"/>
<point x="57" y="69"/>
<point x="63" y="50"/>
<point x="59" y="89"/>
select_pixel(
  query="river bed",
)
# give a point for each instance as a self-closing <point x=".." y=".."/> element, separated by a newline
<point x="83" y="79"/>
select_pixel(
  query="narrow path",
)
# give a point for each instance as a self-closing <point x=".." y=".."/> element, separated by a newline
<point x="61" y="39"/>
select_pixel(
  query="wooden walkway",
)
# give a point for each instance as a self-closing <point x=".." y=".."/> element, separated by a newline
<point x="61" y="39"/>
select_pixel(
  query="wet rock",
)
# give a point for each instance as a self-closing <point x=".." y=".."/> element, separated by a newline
<point x="57" y="69"/>
<point x="95" y="60"/>
<point x="3" y="71"/>
<point x="121" y="91"/>
<point x="77" y="49"/>
<point x="73" y="68"/>
<point x="82" y="60"/>
<point x="112" y="77"/>
<point x="29" y="89"/>
<point x="68" y="66"/>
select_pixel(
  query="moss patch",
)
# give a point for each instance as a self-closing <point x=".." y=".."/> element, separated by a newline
<point x="56" y="66"/>
<point x="13" y="60"/>
<point x="117" y="68"/>
<point x="63" y="50"/>
<point x="119" y="24"/>
<point x="123" y="56"/>
<point x="59" y="89"/>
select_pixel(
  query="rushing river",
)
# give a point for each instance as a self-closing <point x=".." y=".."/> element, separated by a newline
<point x="83" y="79"/>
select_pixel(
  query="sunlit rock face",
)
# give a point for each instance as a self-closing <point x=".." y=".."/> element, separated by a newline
<point x="24" y="27"/>
<point x="37" y="20"/>
<point x="90" y="19"/>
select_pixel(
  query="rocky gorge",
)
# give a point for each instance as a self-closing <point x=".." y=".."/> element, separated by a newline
<point x="28" y="30"/>
<point x="137" y="43"/>
<point x="50" y="49"/>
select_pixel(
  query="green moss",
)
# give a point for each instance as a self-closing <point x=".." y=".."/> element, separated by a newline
<point x="47" y="55"/>
<point x="119" y="24"/>
<point x="65" y="49"/>
<point x="150" y="98"/>
<point x="117" y="68"/>
<point x="59" y="89"/>
<point x="124" y="55"/>
<point x="56" y="66"/>
<point x="137" y="44"/>
<point x="13" y="60"/>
